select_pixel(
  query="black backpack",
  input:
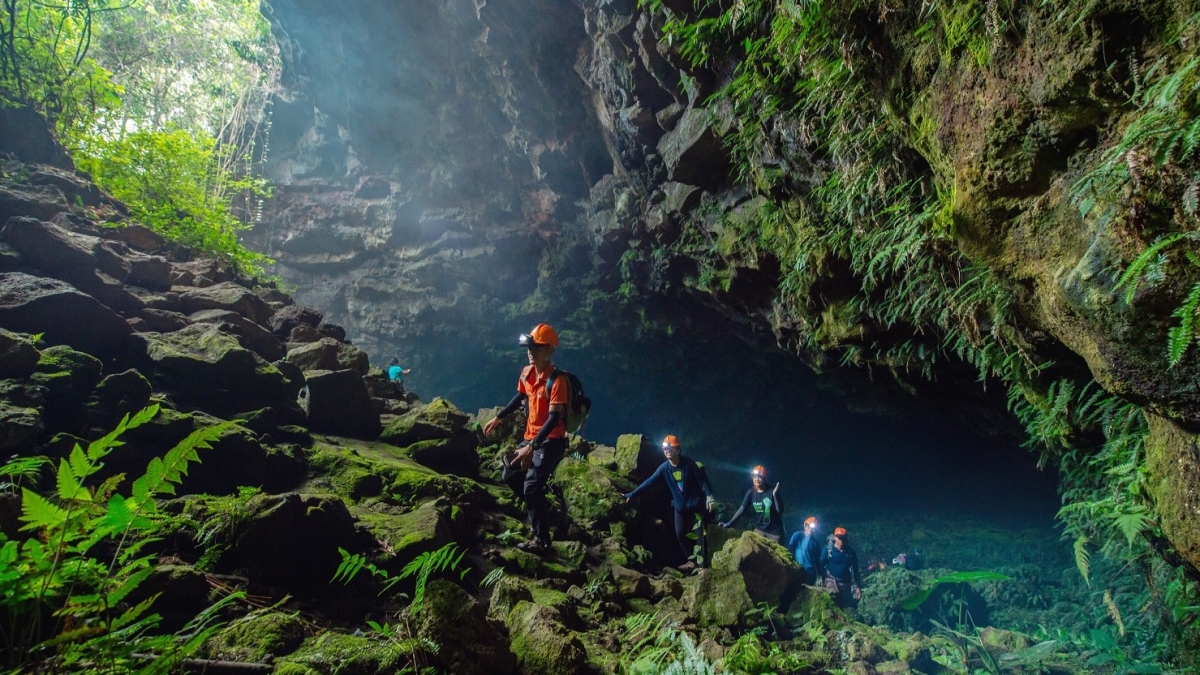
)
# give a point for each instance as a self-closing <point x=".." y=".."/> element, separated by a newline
<point x="578" y="404"/>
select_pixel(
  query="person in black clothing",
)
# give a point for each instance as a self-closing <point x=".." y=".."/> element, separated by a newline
<point x="691" y="495"/>
<point x="840" y="565"/>
<point x="764" y="499"/>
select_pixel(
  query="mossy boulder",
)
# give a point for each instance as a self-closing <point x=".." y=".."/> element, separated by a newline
<point x="292" y="540"/>
<point x="630" y="583"/>
<point x="471" y="643"/>
<point x="330" y="653"/>
<point x="635" y="456"/>
<point x="448" y="455"/>
<point x="337" y="402"/>
<point x="816" y="605"/>
<point x="438" y="419"/>
<point x="408" y="535"/>
<point x="202" y="359"/>
<point x="541" y="643"/>
<point x="19" y="427"/>
<point x="716" y="598"/>
<point x="348" y="469"/>
<point x="67" y="374"/>
<point x="255" y="638"/>
<point x="18" y="356"/>
<point x="1173" y="467"/>
<point x="329" y="354"/>
<point x="769" y="570"/>
<point x="507" y="593"/>
<point x="593" y="496"/>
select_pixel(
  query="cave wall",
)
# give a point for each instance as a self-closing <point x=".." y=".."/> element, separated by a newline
<point x="451" y="171"/>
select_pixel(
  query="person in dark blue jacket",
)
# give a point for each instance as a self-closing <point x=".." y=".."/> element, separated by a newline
<point x="807" y="550"/>
<point x="691" y="495"/>
<point x="840" y="564"/>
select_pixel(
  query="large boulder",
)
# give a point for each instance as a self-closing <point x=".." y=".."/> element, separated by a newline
<point x="18" y="356"/>
<point x="328" y="354"/>
<point x="229" y="296"/>
<point x="19" y="428"/>
<point x="439" y="419"/>
<point x="259" y="339"/>
<point x="541" y="643"/>
<point x="422" y="530"/>
<point x="474" y="644"/>
<point x="257" y="638"/>
<point x="58" y="311"/>
<point x="448" y="455"/>
<point x="54" y="249"/>
<point x="292" y="316"/>
<point x="592" y="496"/>
<point x="716" y="598"/>
<point x="200" y="358"/>
<point x="768" y="568"/>
<point x="292" y="540"/>
<point x="337" y="402"/>
<point x="149" y="271"/>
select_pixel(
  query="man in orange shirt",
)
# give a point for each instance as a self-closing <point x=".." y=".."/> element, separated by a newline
<point x="545" y="431"/>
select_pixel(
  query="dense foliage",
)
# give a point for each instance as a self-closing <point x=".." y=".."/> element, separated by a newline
<point x="841" y="153"/>
<point x="70" y="592"/>
<point x="164" y="102"/>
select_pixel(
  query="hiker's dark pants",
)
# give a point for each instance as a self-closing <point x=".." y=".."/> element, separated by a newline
<point x="533" y="488"/>
<point x="685" y="524"/>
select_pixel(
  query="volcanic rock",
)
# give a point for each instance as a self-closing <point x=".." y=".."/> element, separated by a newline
<point x="58" y="311"/>
<point x="329" y="354"/>
<point x="202" y="358"/>
<point x="767" y="567"/>
<point x="228" y="296"/>
<point x="337" y="402"/>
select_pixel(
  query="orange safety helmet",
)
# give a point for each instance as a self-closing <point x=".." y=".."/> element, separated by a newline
<point x="542" y="334"/>
<point x="811" y="520"/>
<point x="839" y="531"/>
<point x="671" y="441"/>
<point x="759" y="470"/>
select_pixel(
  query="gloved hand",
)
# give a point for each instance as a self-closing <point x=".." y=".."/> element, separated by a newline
<point x="722" y="524"/>
<point x="857" y="592"/>
<point x="710" y="504"/>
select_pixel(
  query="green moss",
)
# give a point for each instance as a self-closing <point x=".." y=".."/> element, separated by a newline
<point x="408" y="535"/>
<point x="592" y="494"/>
<point x="541" y="643"/>
<point x="255" y="637"/>
<point x="342" y="654"/>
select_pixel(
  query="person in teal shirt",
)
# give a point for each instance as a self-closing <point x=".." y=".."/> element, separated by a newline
<point x="396" y="374"/>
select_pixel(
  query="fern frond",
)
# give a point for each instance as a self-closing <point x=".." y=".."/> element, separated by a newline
<point x="1083" y="559"/>
<point x="1132" y="275"/>
<point x="1131" y="524"/>
<point x="1180" y="337"/>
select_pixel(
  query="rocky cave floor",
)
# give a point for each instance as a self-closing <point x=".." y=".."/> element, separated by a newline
<point x="101" y="319"/>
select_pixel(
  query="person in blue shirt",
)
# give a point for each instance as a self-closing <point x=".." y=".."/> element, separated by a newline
<point x="840" y="564"/>
<point x="691" y="496"/>
<point x="396" y="374"/>
<point x="807" y="549"/>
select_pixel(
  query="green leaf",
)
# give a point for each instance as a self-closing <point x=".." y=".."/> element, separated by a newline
<point x="68" y="485"/>
<point x="37" y="511"/>
<point x="1083" y="559"/>
<point x="133" y="613"/>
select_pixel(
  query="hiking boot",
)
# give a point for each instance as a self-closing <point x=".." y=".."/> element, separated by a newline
<point x="534" y="546"/>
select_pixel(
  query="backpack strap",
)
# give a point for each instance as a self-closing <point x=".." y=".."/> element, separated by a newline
<point x="550" y="389"/>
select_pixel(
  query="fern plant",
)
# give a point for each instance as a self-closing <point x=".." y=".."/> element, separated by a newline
<point x="65" y="589"/>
